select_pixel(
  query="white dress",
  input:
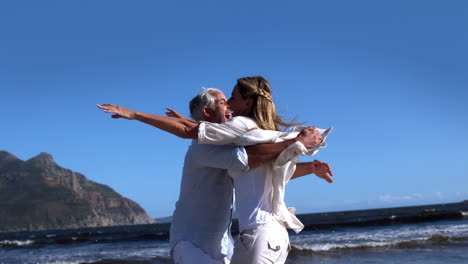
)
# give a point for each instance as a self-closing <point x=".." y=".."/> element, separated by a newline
<point x="243" y="131"/>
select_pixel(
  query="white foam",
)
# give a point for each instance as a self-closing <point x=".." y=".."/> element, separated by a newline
<point x="377" y="237"/>
<point x="63" y="262"/>
<point x="16" y="242"/>
<point x="334" y="246"/>
<point x="354" y="245"/>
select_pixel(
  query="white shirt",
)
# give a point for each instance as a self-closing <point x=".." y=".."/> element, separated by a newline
<point x="203" y="211"/>
<point x="259" y="191"/>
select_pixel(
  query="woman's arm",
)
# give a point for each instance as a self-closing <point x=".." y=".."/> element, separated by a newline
<point x="173" y="113"/>
<point x="268" y="152"/>
<point x="321" y="169"/>
<point x="177" y="126"/>
<point x="265" y="153"/>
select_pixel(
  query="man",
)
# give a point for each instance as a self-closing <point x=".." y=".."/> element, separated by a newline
<point x="201" y="221"/>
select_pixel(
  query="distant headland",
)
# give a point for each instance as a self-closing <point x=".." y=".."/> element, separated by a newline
<point x="38" y="194"/>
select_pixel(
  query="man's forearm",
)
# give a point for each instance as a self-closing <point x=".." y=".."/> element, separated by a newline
<point x="173" y="125"/>
<point x="266" y="153"/>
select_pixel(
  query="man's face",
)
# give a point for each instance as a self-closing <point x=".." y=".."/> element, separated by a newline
<point x="221" y="112"/>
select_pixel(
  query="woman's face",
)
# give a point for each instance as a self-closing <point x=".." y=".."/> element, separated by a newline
<point x="238" y="105"/>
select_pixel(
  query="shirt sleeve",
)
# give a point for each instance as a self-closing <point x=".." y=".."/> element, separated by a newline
<point x="225" y="133"/>
<point x="222" y="157"/>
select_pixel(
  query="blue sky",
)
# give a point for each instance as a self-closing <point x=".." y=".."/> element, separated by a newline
<point x="390" y="76"/>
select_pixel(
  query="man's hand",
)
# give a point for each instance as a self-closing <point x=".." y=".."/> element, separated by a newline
<point x="310" y="137"/>
<point x="118" y="111"/>
<point x="322" y="170"/>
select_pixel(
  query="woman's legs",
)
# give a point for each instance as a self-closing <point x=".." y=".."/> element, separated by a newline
<point x="269" y="243"/>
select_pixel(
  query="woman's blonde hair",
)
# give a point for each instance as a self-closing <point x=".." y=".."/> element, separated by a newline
<point x="263" y="110"/>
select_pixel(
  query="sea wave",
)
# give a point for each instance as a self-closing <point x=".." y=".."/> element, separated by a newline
<point x="64" y="262"/>
<point x="434" y="239"/>
<point x="153" y="260"/>
<point x="16" y="243"/>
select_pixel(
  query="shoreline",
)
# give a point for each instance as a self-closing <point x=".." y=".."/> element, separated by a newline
<point x="380" y="216"/>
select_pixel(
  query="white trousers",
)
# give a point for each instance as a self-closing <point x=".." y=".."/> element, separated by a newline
<point x="185" y="252"/>
<point x="269" y="243"/>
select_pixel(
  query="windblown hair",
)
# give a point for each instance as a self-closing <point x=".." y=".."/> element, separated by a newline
<point x="203" y="99"/>
<point x="263" y="110"/>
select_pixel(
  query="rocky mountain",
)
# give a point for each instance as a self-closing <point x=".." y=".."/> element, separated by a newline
<point x="38" y="194"/>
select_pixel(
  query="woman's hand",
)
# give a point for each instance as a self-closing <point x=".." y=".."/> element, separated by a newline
<point x="173" y="113"/>
<point x="310" y="137"/>
<point x="322" y="170"/>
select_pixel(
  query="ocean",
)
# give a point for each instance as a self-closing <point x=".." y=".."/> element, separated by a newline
<point x="421" y="234"/>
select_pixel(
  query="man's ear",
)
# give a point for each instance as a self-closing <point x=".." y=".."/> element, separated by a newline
<point x="206" y="112"/>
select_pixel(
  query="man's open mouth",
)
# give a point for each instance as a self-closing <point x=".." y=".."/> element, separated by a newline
<point x="228" y="114"/>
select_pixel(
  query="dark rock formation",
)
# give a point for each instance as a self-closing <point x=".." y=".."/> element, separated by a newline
<point x="38" y="194"/>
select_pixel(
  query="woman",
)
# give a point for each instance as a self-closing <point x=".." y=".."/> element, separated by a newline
<point x="263" y="237"/>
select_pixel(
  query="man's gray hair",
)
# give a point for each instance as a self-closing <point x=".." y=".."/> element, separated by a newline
<point x="203" y="99"/>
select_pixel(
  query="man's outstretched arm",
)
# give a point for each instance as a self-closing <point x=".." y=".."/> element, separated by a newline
<point x="177" y="126"/>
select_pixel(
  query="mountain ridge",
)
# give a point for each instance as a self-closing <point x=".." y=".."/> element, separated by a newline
<point x="38" y="194"/>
